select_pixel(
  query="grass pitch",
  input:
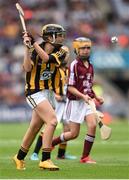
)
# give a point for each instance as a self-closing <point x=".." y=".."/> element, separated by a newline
<point x="112" y="156"/>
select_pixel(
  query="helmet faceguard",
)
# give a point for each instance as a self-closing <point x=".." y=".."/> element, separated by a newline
<point x="52" y="30"/>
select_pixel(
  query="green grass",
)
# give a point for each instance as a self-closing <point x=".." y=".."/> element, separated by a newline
<point x="112" y="156"/>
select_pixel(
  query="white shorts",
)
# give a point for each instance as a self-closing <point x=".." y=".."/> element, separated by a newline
<point x="36" y="98"/>
<point x="60" y="107"/>
<point x="76" y="111"/>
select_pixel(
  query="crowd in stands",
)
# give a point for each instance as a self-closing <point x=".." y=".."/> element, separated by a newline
<point x="98" y="20"/>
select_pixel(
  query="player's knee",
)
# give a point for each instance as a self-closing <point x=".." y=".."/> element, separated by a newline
<point x="54" y="121"/>
<point x="92" y="126"/>
<point x="74" y="135"/>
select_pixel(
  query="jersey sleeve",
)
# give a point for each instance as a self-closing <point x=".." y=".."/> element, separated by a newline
<point x="58" y="57"/>
<point x="72" y="75"/>
<point x="33" y="55"/>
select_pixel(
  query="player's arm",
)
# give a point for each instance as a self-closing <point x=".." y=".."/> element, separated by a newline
<point x="60" y="56"/>
<point x="72" y="83"/>
<point x="99" y="99"/>
<point x="57" y="57"/>
<point x="42" y="54"/>
<point x="27" y="63"/>
<point x="78" y="94"/>
<point x="58" y="97"/>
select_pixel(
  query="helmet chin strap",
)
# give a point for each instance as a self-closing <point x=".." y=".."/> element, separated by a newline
<point x="56" y="45"/>
<point x="84" y="58"/>
<point x="54" y="39"/>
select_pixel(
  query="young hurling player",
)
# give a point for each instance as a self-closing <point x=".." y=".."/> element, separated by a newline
<point x="40" y="67"/>
<point x="60" y="95"/>
<point x="80" y="91"/>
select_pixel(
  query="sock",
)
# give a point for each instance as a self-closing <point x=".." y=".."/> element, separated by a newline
<point x="88" y="142"/>
<point x="46" y="154"/>
<point x="22" y="153"/>
<point x="61" y="150"/>
<point x="58" y="140"/>
<point x="38" y="144"/>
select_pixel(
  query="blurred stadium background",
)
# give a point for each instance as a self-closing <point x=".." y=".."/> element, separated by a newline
<point x="96" y="19"/>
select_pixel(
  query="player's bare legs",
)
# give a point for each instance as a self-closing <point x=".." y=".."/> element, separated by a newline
<point x="74" y="131"/>
<point x="66" y="136"/>
<point x="43" y="113"/>
<point x="47" y="114"/>
<point x="70" y="134"/>
<point x="34" y="127"/>
<point x="91" y="124"/>
<point x="89" y="139"/>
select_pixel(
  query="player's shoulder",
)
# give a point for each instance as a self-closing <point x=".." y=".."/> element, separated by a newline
<point x="73" y="64"/>
<point x="65" y="48"/>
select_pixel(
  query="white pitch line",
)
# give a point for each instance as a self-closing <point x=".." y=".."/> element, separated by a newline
<point x="112" y="164"/>
<point x="74" y="142"/>
<point x="98" y="163"/>
<point x="66" y="179"/>
<point x="111" y="142"/>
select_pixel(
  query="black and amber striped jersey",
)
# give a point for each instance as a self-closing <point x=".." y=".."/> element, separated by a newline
<point x="43" y="75"/>
<point x="61" y="81"/>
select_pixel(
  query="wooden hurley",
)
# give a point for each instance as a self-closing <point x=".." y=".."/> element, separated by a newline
<point x="105" y="131"/>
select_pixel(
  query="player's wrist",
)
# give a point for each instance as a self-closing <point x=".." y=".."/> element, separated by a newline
<point x="83" y="96"/>
<point x="32" y="39"/>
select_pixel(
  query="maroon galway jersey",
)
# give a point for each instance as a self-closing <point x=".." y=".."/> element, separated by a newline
<point x="81" y="78"/>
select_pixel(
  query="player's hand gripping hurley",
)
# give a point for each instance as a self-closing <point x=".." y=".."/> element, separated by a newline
<point x="21" y="15"/>
<point x="105" y="131"/>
